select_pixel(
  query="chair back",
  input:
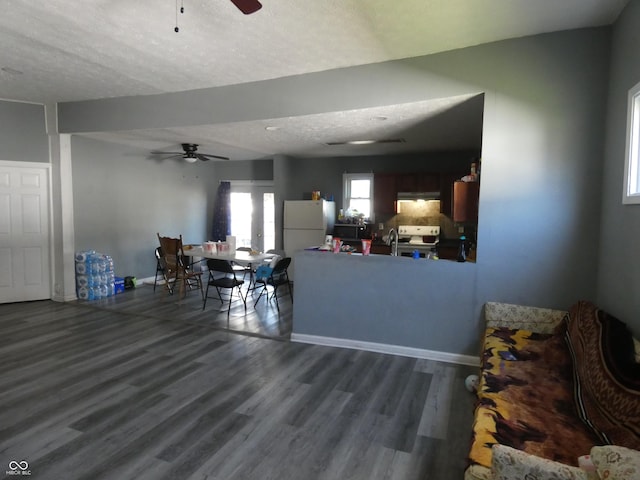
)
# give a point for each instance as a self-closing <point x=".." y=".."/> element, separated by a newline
<point x="172" y="253"/>
<point x="281" y="266"/>
<point x="220" y="265"/>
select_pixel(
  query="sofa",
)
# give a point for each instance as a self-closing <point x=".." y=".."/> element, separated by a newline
<point x="558" y="396"/>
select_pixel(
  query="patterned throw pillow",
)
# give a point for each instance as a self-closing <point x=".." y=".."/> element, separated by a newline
<point x="607" y="378"/>
<point x="511" y="464"/>
<point x="616" y="463"/>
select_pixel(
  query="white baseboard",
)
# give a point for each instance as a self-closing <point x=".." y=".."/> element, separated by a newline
<point x="386" y="348"/>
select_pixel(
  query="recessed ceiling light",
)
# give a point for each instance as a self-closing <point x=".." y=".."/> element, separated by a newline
<point x="271" y="128"/>
<point x="367" y="142"/>
<point x="11" y="71"/>
<point x="381" y="118"/>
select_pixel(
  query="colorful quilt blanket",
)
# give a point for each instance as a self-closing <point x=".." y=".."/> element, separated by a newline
<point x="525" y="398"/>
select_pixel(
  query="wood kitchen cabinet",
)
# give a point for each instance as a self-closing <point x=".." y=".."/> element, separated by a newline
<point x="387" y="185"/>
<point x="446" y="192"/>
<point x="384" y="193"/>
<point x="418" y="182"/>
<point x="428" y="182"/>
<point x="380" y="249"/>
<point x="465" y="202"/>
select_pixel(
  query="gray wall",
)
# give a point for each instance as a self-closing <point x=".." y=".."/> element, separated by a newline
<point x="245" y="170"/>
<point x="542" y="166"/>
<point x="325" y="174"/>
<point x="23" y="135"/>
<point x="122" y="199"/>
<point x="619" y="272"/>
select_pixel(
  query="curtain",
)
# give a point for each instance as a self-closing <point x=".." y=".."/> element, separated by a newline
<point x="222" y="213"/>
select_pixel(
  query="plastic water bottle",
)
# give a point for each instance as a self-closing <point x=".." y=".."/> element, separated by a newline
<point x="462" y="254"/>
<point x="83" y="293"/>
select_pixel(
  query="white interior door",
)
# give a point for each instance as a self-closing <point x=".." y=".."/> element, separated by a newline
<point x="24" y="233"/>
<point x="253" y="215"/>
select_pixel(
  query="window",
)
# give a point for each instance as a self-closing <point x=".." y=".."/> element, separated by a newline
<point x="631" y="193"/>
<point x="358" y="193"/>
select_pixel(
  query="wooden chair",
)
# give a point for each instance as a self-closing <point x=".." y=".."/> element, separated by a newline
<point x="277" y="278"/>
<point x="227" y="280"/>
<point x="176" y="271"/>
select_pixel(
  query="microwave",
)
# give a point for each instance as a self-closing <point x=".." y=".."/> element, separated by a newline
<point x="351" y="231"/>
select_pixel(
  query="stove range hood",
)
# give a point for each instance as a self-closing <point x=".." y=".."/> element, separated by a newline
<point x="412" y="196"/>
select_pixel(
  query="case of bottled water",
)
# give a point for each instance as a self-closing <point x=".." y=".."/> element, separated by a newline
<point x="95" y="277"/>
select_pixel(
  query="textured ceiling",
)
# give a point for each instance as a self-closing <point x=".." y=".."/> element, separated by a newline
<point x="69" y="50"/>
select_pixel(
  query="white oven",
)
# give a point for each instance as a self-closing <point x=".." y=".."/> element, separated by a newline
<point x="417" y="237"/>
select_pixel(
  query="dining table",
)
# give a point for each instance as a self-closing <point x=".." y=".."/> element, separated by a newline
<point x="241" y="257"/>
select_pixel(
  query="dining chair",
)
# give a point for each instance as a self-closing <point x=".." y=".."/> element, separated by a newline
<point x="160" y="267"/>
<point x="275" y="251"/>
<point x="278" y="277"/>
<point x="223" y="276"/>
<point x="176" y="270"/>
<point x="242" y="268"/>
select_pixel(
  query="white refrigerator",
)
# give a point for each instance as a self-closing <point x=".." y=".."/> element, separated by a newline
<point x="306" y="224"/>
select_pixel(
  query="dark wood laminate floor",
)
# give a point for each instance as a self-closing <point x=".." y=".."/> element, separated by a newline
<point x="142" y="387"/>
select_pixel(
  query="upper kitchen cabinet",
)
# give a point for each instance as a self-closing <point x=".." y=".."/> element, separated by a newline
<point x="387" y="185"/>
<point x="465" y="202"/>
<point x="446" y="192"/>
<point x="384" y="193"/>
<point x="418" y="182"/>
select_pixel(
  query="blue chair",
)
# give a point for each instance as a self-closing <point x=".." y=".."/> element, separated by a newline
<point x="275" y="279"/>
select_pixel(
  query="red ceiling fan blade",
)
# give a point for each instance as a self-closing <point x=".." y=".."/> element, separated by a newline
<point x="247" y="6"/>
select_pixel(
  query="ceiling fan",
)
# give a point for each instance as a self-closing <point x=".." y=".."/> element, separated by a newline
<point x="190" y="154"/>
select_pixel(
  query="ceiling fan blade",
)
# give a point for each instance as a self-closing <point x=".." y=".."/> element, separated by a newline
<point x="206" y="157"/>
<point x="247" y="6"/>
<point x="166" y="153"/>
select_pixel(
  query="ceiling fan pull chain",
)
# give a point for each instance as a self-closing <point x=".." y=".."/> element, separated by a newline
<point x="181" y="11"/>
